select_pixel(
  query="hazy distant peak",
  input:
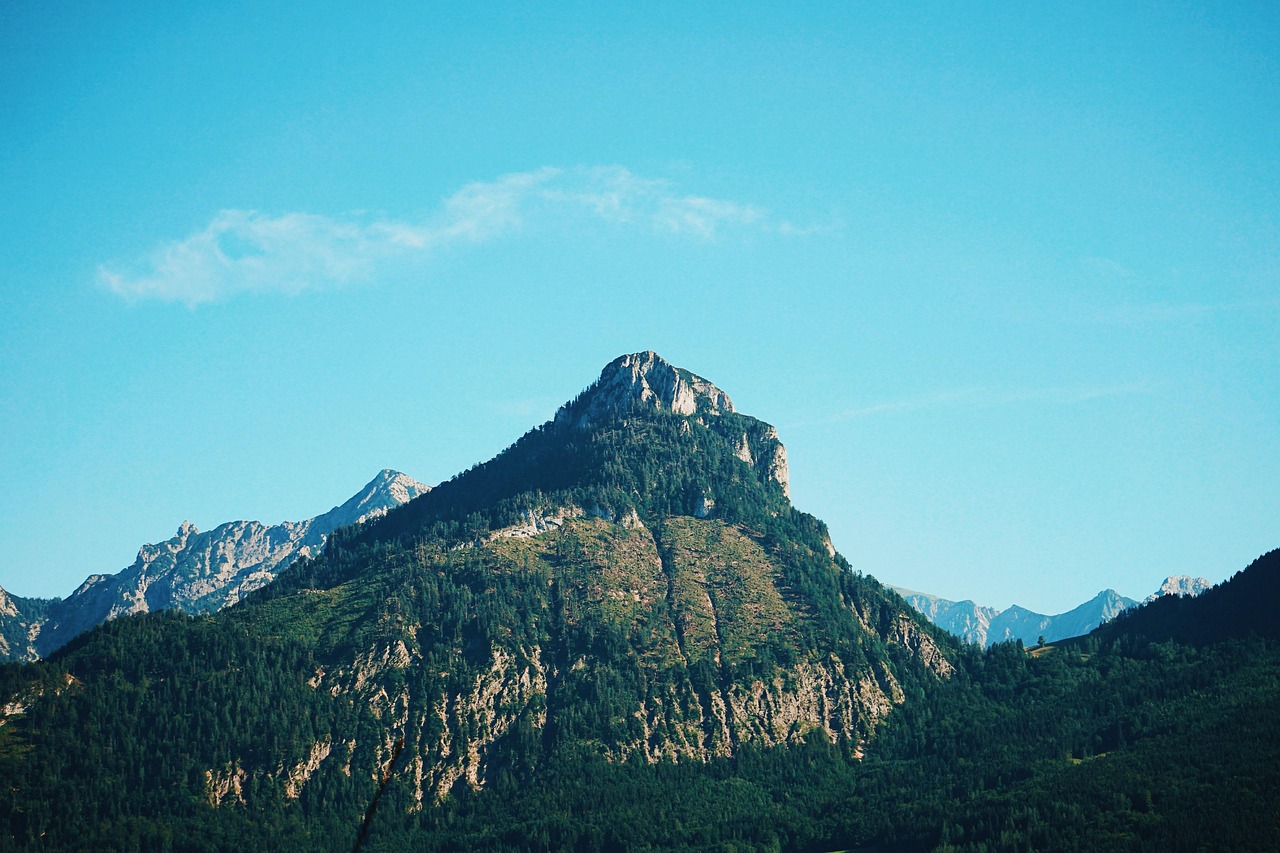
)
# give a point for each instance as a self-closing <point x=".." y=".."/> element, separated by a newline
<point x="985" y="625"/>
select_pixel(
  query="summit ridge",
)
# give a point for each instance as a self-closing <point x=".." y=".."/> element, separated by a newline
<point x="645" y="379"/>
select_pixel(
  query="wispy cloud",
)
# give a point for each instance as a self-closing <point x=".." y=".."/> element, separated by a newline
<point x="983" y="398"/>
<point x="246" y="251"/>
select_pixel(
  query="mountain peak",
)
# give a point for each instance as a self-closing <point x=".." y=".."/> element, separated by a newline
<point x="1180" y="585"/>
<point x="645" y="379"/>
<point x="388" y="489"/>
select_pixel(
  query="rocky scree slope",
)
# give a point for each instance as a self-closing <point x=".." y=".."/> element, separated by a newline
<point x="628" y="583"/>
<point x="194" y="572"/>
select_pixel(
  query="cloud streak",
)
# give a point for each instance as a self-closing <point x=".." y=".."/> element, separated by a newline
<point x="245" y="251"/>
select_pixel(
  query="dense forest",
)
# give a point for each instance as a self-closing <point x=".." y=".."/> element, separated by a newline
<point x="1102" y="744"/>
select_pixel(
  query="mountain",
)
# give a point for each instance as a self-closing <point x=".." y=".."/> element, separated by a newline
<point x="974" y="623"/>
<point x="620" y="634"/>
<point x="198" y="572"/>
<point x="627" y="588"/>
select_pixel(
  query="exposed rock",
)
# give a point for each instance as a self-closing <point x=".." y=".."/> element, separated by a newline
<point x="757" y="444"/>
<point x="16" y="705"/>
<point x="20" y="622"/>
<point x="1180" y="585"/>
<point x="907" y="633"/>
<point x="226" y="784"/>
<point x="775" y="467"/>
<point x="535" y="523"/>
<point x="298" y="775"/>
<point x="643" y="379"/>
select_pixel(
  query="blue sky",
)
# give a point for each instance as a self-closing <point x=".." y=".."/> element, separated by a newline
<point x="1005" y="276"/>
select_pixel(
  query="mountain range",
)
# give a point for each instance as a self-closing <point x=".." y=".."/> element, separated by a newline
<point x="974" y="623"/>
<point x="193" y="572"/>
<point x="619" y="633"/>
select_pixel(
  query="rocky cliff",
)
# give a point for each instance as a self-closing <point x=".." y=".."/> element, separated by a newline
<point x="20" y="621"/>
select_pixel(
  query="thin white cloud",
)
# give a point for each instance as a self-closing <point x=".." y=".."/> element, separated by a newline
<point x="984" y="398"/>
<point x="245" y="251"/>
<point x="619" y="195"/>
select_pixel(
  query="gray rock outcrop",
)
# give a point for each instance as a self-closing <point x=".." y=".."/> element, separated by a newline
<point x="199" y="572"/>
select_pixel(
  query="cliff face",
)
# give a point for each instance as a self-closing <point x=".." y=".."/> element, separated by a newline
<point x="680" y="641"/>
<point x="642" y="380"/>
<point x="197" y="572"/>
<point x="20" y="620"/>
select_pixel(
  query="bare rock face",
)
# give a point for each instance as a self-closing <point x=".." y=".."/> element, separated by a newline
<point x="771" y="461"/>
<point x="644" y="379"/>
<point x="203" y="572"/>
<point x="20" y="620"/>
<point x="1180" y="585"/>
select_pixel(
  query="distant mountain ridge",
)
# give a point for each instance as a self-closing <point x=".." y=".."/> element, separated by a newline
<point x="975" y="623"/>
<point x="192" y="571"/>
